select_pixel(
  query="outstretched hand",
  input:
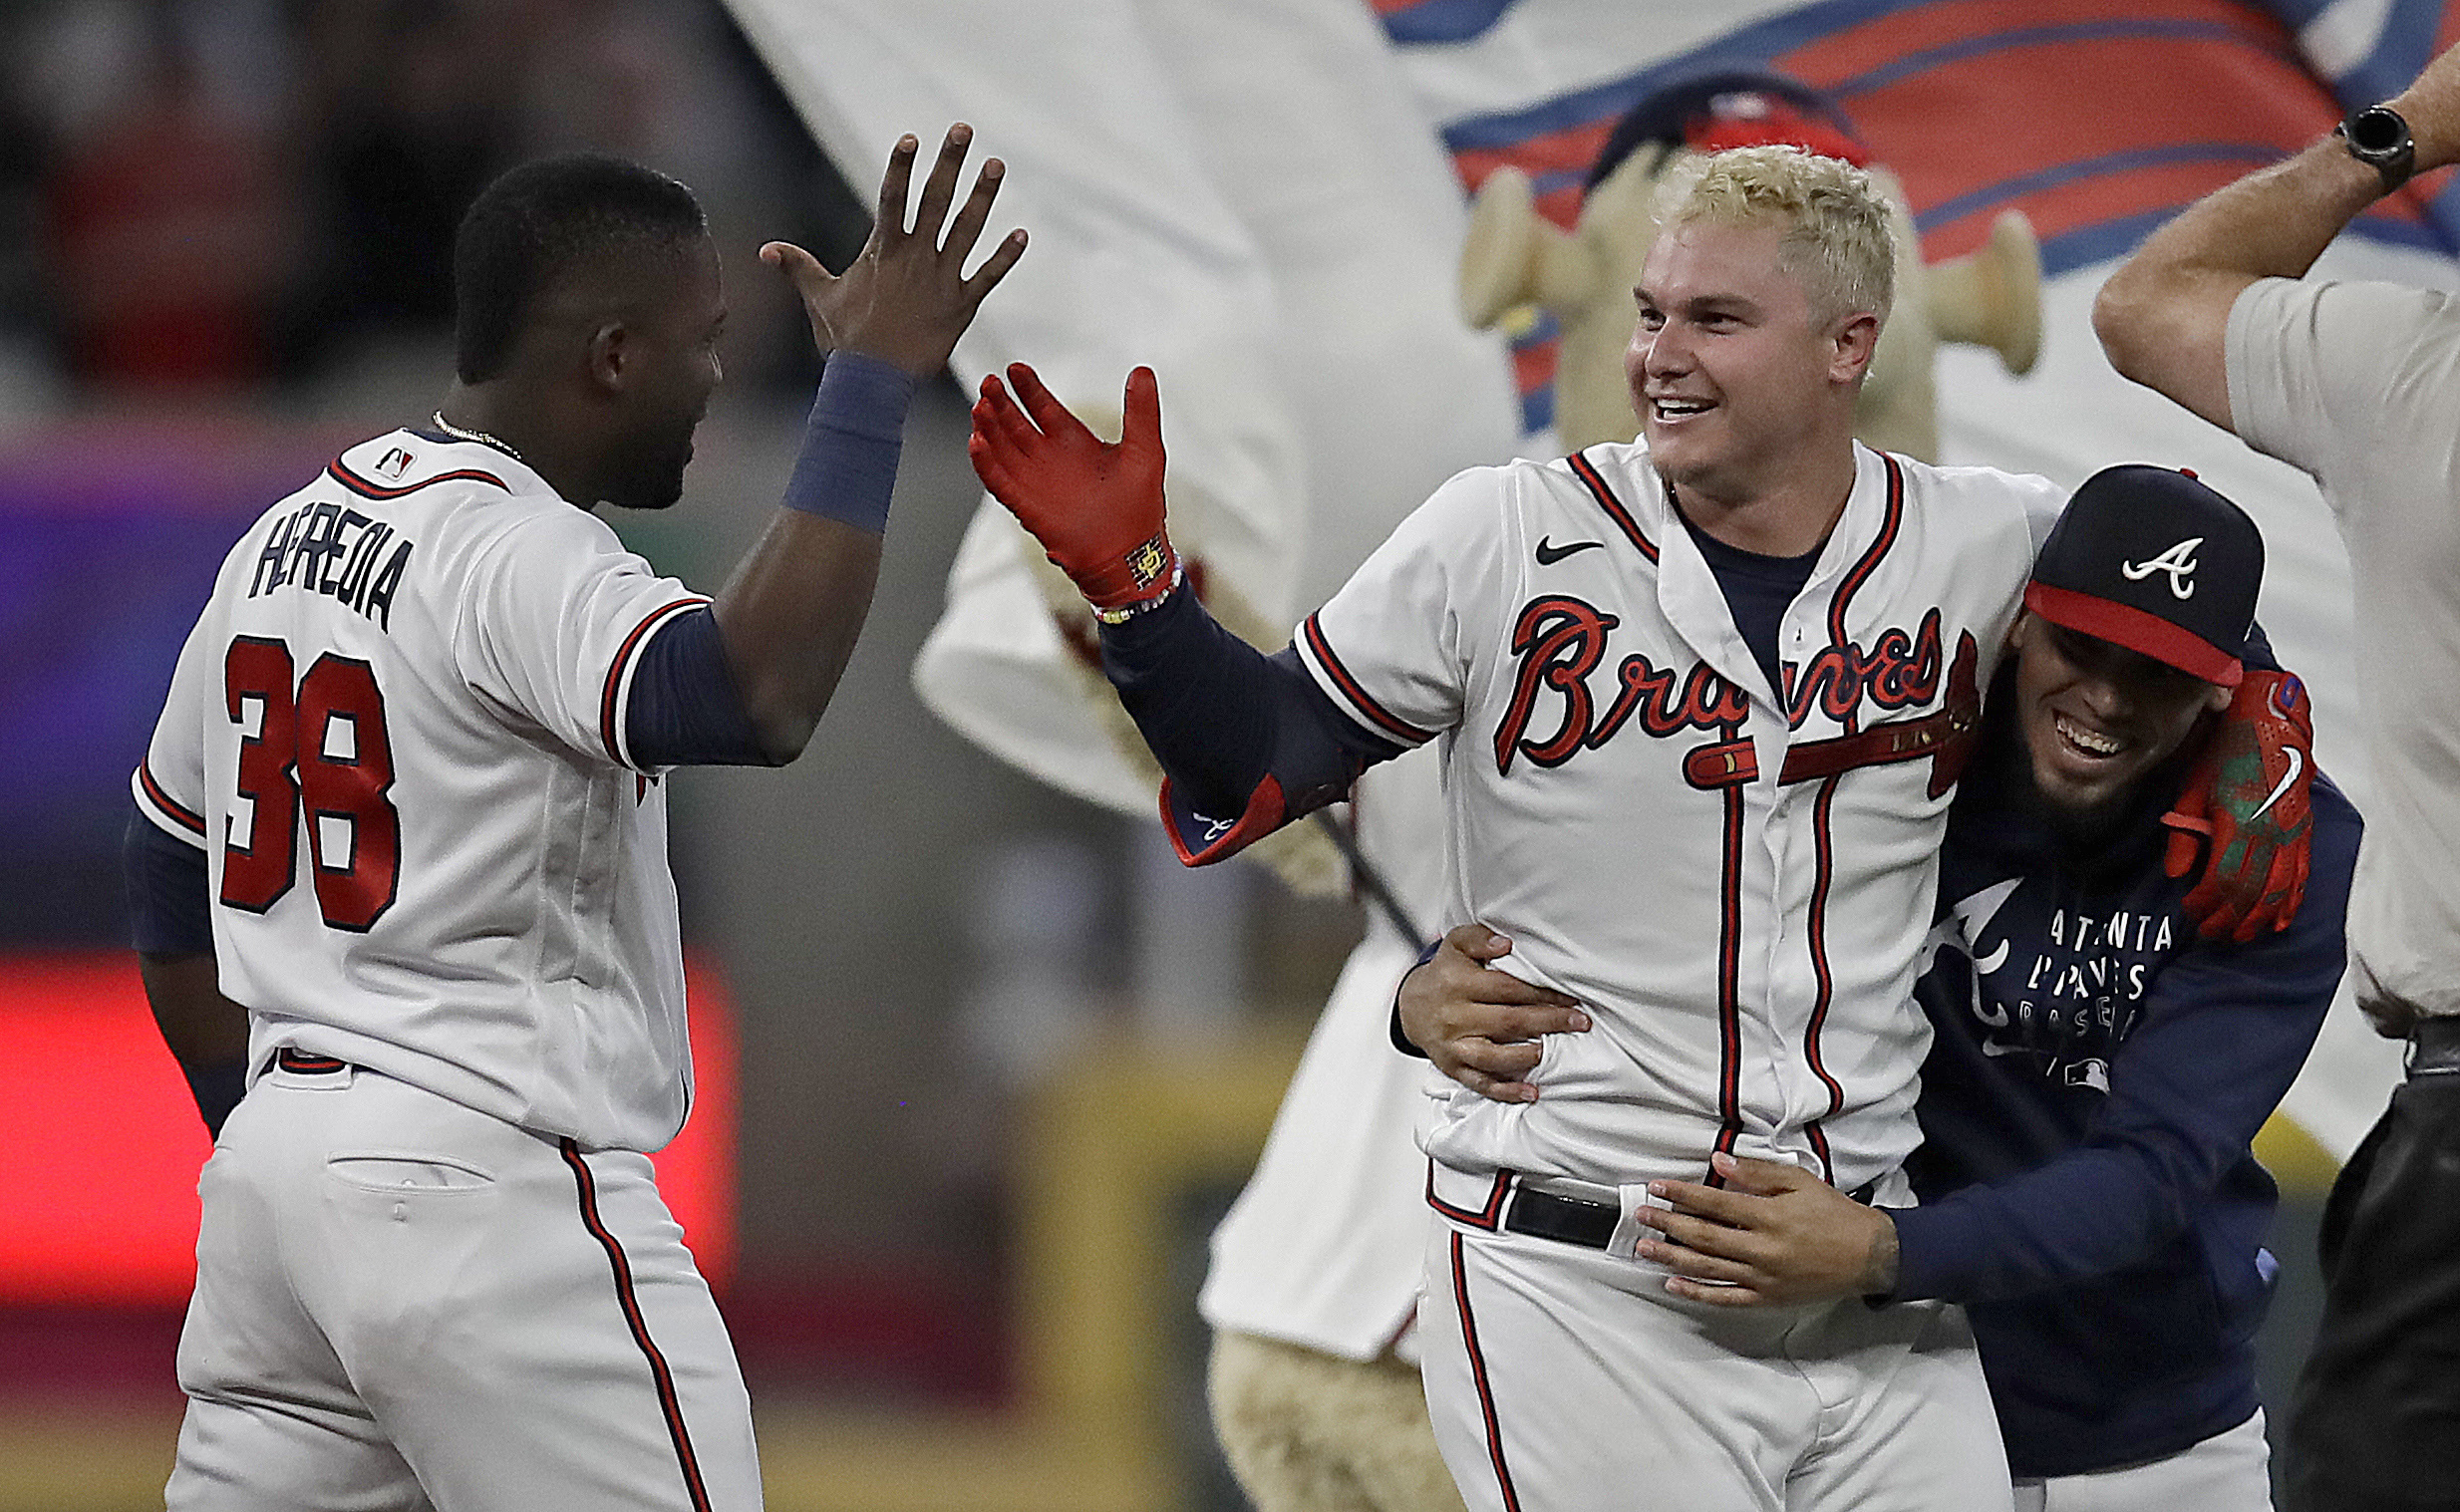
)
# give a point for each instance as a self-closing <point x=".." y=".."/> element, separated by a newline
<point x="905" y="299"/>
<point x="1095" y="505"/>
<point x="1773" y="1233"/>
<point x="1479" y="1026"/>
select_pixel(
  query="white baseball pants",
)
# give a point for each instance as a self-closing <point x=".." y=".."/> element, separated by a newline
<point x="1563" y="1379"/>
<point x="403" y="1304"/>
<point x="2227" y="1472"/>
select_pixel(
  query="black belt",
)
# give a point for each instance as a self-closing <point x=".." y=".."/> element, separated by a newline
<point x="1573" y="1220"/>
<point x="288" y="1060"/>
<point x="2434" y="1046"/>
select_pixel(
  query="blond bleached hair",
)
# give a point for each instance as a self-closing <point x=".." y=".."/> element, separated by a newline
<point x="1837" y="240"/>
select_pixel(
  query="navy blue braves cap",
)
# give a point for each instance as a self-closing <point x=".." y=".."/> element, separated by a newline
<point x="2151" y="560"/>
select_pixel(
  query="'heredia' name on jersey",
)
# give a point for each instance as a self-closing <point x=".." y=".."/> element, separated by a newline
<point x="329" y="548"/>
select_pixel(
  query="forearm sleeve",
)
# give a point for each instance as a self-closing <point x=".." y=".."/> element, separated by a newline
<point x="848" y="465"/>
<point x="1246" y="741"/>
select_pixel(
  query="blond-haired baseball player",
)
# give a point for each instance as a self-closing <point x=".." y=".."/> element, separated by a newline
<point x="1701" y="700"/>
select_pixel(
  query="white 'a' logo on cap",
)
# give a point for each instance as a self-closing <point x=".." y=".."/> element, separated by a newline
<point x="2178" y="563"/>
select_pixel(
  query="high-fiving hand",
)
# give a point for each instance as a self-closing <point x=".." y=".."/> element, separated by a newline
<point x="1095" y="505"/>
<point x="905" y="299"/>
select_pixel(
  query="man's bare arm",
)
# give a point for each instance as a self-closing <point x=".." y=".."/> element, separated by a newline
<point x="791" y="612"/>
<point x="207" y="1033"/>
<point x="2163" y="317"/>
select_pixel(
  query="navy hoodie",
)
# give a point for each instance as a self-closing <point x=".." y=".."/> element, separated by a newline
<point x="2095" y="1076"/>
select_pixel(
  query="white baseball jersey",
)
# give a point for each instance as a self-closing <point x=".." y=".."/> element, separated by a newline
<point x="1733" y="879"/>
<point x="397" y="732"/>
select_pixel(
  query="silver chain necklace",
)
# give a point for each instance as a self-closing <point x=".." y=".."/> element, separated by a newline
<point x="481" y="437"/>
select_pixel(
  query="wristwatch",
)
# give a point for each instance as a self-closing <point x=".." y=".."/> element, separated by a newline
<point x="2379" y="139"/>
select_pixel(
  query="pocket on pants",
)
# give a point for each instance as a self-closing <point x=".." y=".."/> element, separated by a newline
<point x="389" y="1172"/>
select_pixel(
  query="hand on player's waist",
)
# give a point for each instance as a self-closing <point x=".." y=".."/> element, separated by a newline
<point x="1480" y="1026"/>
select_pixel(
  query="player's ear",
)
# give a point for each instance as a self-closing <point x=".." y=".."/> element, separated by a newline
<point x="1853" y="338"/>
<point x="608" y="358"/>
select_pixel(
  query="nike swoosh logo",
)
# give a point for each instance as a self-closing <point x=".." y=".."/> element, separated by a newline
<point x="1995" y="1049"/>
<point x="2297" y="764"/>
<point x="1548" y="553"/>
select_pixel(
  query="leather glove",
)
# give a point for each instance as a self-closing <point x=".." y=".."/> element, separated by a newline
<point x="1096" y="506"/>
<point x="2247" y="795"/>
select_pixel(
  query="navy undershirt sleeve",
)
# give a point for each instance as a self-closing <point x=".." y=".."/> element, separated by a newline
<point x="170" y="903"/>
<point x="686" y="710"/>
<point x="1221" y="716"/>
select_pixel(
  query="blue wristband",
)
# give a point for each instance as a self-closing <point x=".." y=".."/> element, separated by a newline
<point x="848" y="465"/>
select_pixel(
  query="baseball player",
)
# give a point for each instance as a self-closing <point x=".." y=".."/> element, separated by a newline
<point x="404" y="811"/>
<point x="2100" y="1067"/>
<point x="1734" y="671"/>
<point x="2352" y="383"/>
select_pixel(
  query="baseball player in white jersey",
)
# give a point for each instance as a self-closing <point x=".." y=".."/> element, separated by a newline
<point x="1701" y="704"/>
<point x="406" y="815"/>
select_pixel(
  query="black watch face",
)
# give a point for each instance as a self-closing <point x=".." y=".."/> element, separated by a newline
<point x="2377" y="133"/>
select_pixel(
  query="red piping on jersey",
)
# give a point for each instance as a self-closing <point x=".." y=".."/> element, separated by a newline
<point x="665" y="1379"/>
<point x="1819" y="1147"/>
<point x="1390" y="722"/>
<point x="1823" y="844"/>
<point x="187" y="819"/>
<point x="1489" y="1218"/>
<point x="615" y="673"/>
<point x="1264" y="814"/>
<point x="1728" y="982"/>
<point x="1587" y="472"/>
<point x="360" y="485"/>
<point x="1861" y="571"/>
<point x="1477" y="1374"/>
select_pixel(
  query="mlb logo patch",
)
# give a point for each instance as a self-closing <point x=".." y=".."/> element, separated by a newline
<point x="396" y="462"/>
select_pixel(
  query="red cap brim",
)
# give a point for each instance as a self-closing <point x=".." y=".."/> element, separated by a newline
<point x="2125" y="625"/>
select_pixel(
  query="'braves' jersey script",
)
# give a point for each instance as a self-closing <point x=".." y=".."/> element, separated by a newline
<point x="397" y="732"/>
<point x="1733" y="878"/>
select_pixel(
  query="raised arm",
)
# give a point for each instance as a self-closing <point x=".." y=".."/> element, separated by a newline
<point x="1246" y="741"/>
<point x="789" y="616"/>
<point x="2163" y="317"/>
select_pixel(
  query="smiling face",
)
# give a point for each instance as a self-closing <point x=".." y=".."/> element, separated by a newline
<point x="2098" y="717"/>
<point x="1738" y="376"/>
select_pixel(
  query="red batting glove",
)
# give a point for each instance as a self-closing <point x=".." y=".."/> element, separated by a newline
<point x="1095" y="508"/>
<point x="2248" y="794"/>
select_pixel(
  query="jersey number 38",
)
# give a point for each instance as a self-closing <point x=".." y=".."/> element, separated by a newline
<point x="321" y="747"/>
